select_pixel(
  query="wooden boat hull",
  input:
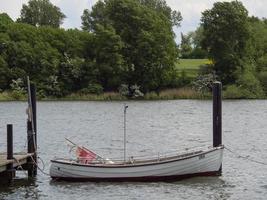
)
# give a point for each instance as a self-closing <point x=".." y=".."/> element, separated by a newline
<point x="206" y="163"/>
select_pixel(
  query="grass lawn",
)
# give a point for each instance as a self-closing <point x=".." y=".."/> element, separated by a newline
<point x="190" y="66"/>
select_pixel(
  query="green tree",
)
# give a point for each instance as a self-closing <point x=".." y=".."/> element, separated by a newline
<point x="41" y="13"/>
<point x="186" y="46"/>
<point x="4" y="21"/>
<point x="161" y="7"/>
<point x="259" y="43"/>
<point x="109" y="60"/>
<point x="226" y="37"/>
<point x="5" y="74"/>
<point x="149" y="50"/>
<point x="198" y="51"/>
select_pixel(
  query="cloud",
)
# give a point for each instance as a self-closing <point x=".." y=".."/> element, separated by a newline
<point x="191" y="10"/>
<point x="73" y="11"/>
<point x="12" y="7"/>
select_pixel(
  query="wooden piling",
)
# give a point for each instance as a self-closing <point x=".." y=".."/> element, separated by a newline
<point x="217" y="116"/>
<point x="10" y="161"/>
<point x="9" y="142"/>
<point x="31" y="132"/>
<point x="33" y="101"/>
<point x="10" y="172"/>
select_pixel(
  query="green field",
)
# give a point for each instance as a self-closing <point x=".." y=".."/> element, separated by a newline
<point x="190" y="66"/>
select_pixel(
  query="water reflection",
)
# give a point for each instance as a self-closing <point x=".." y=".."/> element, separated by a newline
<point x="28" y="189"/>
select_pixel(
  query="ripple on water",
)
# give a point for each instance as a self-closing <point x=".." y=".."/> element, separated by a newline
<point x="152" y="127"/>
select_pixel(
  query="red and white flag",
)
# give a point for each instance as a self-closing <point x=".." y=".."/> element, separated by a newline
<point x="85" y="155"/>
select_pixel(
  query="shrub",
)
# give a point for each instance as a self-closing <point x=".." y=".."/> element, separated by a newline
<point x="250" y="85"/>
<point x="124" y="90"/>
<point x="92" y="88"/>
<point x="17" y="95"/>
<point x="263" y="80"/>
<point x="247" y="86"/>
<point x="132" y="92"/>
<point x="233" y="92"/>
<point x="181" y="93"/>
<point x="151" y="96"/>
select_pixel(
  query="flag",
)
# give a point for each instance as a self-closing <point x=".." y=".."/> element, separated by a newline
<point x="85" y="155"/>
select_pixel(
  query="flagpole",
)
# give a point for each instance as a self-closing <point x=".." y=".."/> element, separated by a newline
<point x="124" y="141"/>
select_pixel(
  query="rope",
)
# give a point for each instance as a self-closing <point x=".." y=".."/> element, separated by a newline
<point x="245" y="157"/>
<point x="41" y="170"/>
<point x="19" y="166"/>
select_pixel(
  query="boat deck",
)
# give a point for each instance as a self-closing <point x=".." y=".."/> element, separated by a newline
<point x="134" y="161"/>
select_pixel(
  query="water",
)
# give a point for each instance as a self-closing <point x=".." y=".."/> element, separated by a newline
<point x="152" y="127"/>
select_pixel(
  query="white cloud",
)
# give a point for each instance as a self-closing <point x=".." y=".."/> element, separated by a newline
<point x="190" y="9"/>
<point x="11" y="7"/>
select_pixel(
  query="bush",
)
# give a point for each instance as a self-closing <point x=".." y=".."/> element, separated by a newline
<point x="17" y="95"/>
<point x="132" y="92"/>
<point x="263" y="81"/>
<point x="247" y="86"/>
<point x="233" y="92"/>
<point x="92" y="88"/>
<point x="151" y="96"/>
<point x="203" y="83"/>
<point x="184" y="79"/>
<point x="250" y="85"/>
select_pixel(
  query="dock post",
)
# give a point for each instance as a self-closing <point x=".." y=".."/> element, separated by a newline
<point x="10" y="173"/>
<point x="217" y="116"/>
<point x="31" y="133"/>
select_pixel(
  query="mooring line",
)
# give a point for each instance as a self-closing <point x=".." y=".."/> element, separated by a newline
<point x="41" y="170"/>
<point x="245" y="157"/>
<point x="19" y="166"/>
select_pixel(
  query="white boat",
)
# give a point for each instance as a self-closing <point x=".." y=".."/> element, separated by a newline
<point x="91" y="167"/>
<point x="203" y="162"/>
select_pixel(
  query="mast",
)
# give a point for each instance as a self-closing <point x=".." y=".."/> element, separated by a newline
<point x="124" y="135"/>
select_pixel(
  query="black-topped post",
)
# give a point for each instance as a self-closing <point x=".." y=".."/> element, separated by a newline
<point x="33" y="101"/>
<point x="9" y="142"/>
<point x="31" y="131"/>
<point x="10" y="170"/>
<point x="217" y="113"/>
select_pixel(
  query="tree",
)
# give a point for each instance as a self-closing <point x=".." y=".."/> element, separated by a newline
<point x="108" y="56"/>
<point x="149" y="50"/>
<point x="41" y="13"/>
<point x="259" y="43"/>
<point x="186" y="46"/>
<point x="161" y="7"/>
<point x="5" y="74"/>
<point x="198" y="51"/>
<point x="4" y="21"/>
<point x="226" y="37"/>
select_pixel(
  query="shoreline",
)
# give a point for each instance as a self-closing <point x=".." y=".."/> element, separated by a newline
<point x="170" y="94"/>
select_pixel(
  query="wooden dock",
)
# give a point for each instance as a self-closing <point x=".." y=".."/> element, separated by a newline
<point x="10" y="162"/>
<point x="20" y="159"/>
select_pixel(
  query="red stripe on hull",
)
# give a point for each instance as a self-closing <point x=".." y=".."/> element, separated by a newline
<point x="138" y="179"/>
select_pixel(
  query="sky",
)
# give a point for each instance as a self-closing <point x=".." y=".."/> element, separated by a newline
<point x="190" y="10"/>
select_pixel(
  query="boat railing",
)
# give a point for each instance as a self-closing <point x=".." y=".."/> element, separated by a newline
<point x="158" y="157"/>
<point x="145" y="158"/>
<point x="153" y="158"/>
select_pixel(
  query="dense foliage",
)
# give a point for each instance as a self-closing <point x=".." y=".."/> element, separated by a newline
<point x="124" y="42"/>
<point x="226" y="36"/>
<point x="41" y="13"/>
<point x="146" y="51"/>
<point x="128" y="46"/>
<point x="236" y="44"/>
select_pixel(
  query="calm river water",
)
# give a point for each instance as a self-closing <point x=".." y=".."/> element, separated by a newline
<point x="152" y="127"/>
